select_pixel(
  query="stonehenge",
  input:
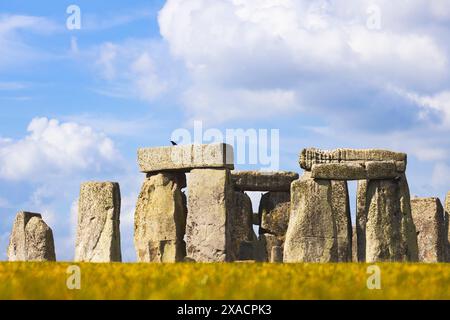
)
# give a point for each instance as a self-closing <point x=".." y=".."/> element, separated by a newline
<point x="31" y="239"/>
<point x="98" y="234"/>
<point x="194" y="207"/>
<point x="320" y="229"/>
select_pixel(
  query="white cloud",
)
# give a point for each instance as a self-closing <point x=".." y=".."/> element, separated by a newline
<point x="14" y="50"/>
<point x="441" y="175"/>
<point x="130" y="70"/>
<point x="53" y="149"/>
<point x="235" y="46"/>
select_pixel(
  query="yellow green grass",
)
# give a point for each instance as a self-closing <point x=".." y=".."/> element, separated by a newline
<point x="223" y="281"/>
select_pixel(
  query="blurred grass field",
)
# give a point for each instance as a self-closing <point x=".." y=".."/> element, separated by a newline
<point x="21" y="280"/>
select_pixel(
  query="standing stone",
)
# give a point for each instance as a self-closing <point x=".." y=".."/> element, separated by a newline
<point x="354" y="245"/>
<point x="361" y="219"/>
<point x="390" y="232"/>
<point x="210" y="202"/>
<point x="428" y="217"/>
<point x="241" y="225"/>
<point x="98" y="233"/>
<point x="31" y="239"/>
<point x="447" y="224"/>
<point x="160" y="218"/>
<point x="313" y="233"/>
<point x="276" y="254"/>
<point x="340" y="204"/>
<point x="274" y="211"/>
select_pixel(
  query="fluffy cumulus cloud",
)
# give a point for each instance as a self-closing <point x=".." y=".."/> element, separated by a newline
<point x="52" y="149"/>
<point x="238" y="52"/>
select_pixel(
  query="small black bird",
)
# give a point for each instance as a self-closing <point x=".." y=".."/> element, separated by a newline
<point x="173" y="143"/>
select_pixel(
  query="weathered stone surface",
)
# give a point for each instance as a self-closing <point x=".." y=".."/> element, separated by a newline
<point x="186" y="157"/>
<point x="263" y="181"/>
<point x="246" y="250"/>
<point x="98" y="233"/>
<point x="160" y="219"/>
<point x="274" y="210"/>
<point x="241" y="222"/>
<point x="264" y="245"/>
<point x="354" y="245"/>
<point x="428" y="216"/>
<point x="355" y="170"/>
<point x="313" y="231"/>
<point x="276" y="254"/>
<point x="390" y="232"/>
<point x="361" y="219"/>
<point x="447" y="224"/>
<point x="340" y="205"/>
<point x="31" y="239"/>
<point x="210" y="202"/>
<point x="311" y="156"/>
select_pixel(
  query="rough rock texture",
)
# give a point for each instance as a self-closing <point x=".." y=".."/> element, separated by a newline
<point x="186" y="157"/>
<point x="160" y="219"/>
<point x="241" y="223"/>
<point x="361" y="219"/>
<point x="210" y="202"/>
<point x="274" y="210"/>
<point x="354" y="245"/>
<point x="31" y="239"/>
<point x="264" y="245"/>
<point x="447" y="224"/>
<point x="98" y="233"/>
<point x="428" y="216"/>
<point x="319" y="227"/>
<point x="311" y="156"/>
<point x="390" y="231"/>
<point x="276" y="254"/>
<point x="263" y="181"/>
<point x="355" y="170"/>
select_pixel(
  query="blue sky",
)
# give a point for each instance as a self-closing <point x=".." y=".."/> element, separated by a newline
<point x="76" y="104"/>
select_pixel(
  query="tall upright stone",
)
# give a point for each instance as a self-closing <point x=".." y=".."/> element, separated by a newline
<point x="160" y="218"/>
<point x="313" y="234"/>
<point x="447" y="224"/>
<point x="31" y="239"/>
<point x="98" y="232"/>
<point x="390" y="231"/>
<point x="274" y="211"/>
<point x="241" y="224"/>
<point x="428" y="215"/>
<point x="210" y="202"/>
<point x="361" y="219"/>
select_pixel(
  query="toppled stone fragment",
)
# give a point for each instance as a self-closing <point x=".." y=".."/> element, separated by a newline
<point x="160" y="219"/>
<point x="428" y="216"/>
<point x="210" y="201"/>
<point x="276" y="254"/>
<point x="263" y="181"/>
<point x="31" y="239"/>
<point x="186" y="157"/>
<point x="274" y="209"/>
<point x="98" y="232"/>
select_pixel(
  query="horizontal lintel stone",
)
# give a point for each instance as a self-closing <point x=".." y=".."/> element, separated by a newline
<point x="312" y="156"/>
<point x="186" y="157"/>
<point x="263" y="181"/>
<point x="371" y="170"/>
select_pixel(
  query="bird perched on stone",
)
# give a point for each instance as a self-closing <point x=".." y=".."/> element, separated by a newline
<point x="173" y="143"/>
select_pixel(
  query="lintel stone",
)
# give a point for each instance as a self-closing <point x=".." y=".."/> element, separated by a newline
<point x="263" y="181"/>
<point x="186" y="157"/>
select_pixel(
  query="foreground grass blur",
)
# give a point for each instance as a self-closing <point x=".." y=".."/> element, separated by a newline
<point x="223" y="281"/>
